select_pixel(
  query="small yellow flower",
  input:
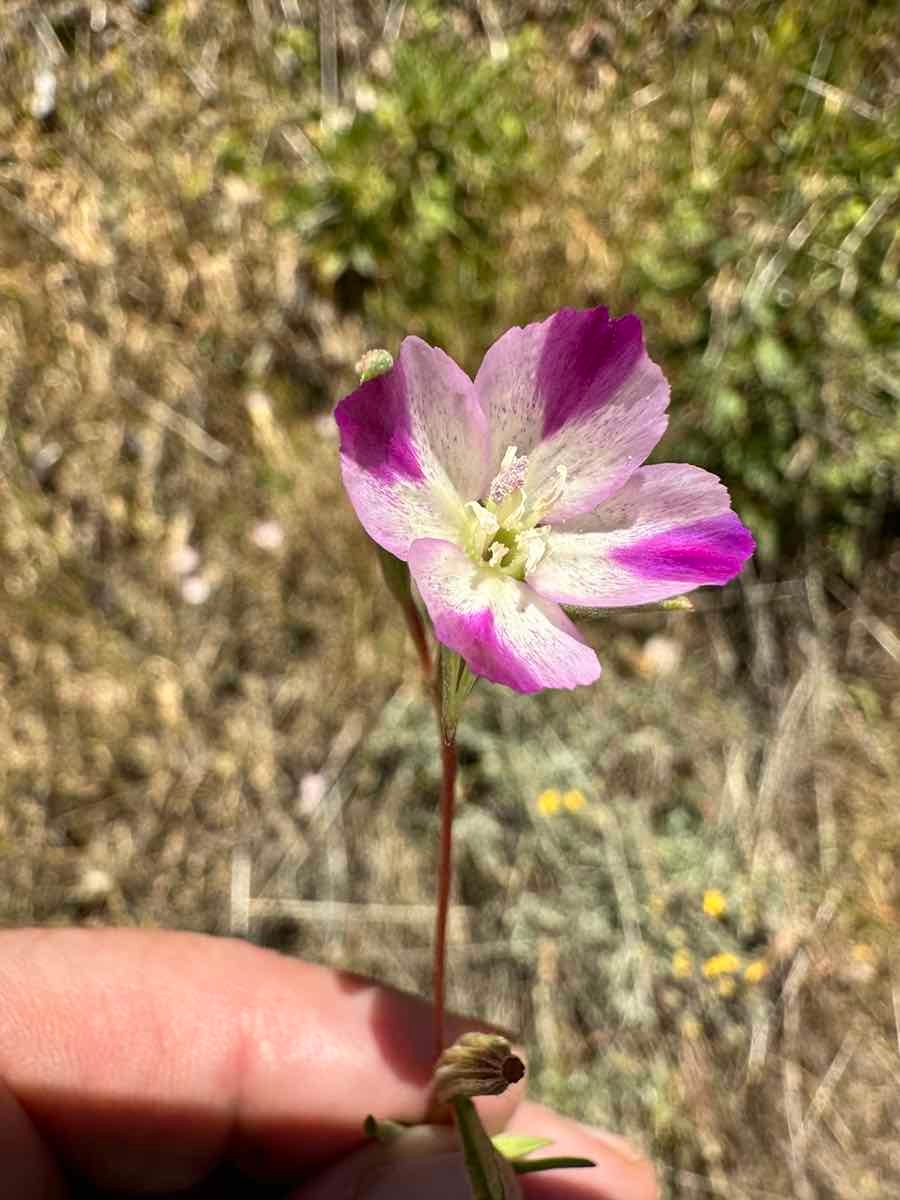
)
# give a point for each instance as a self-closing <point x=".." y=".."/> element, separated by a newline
<point x="721" y="964"/>
<point x="574" y="800"/>
<point x="862" y="952"/>
<point x="756" y="971"/>
<point x="714" y="903"/>
<point x="548" y="802"/>
<point x="727" y="986"/>
<point x="682" y="964"/>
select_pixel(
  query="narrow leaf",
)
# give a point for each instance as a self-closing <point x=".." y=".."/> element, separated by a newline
<point x="517" y="1145"/>
<point x="481" y="1159"/>
<point x="548" y="1164"/>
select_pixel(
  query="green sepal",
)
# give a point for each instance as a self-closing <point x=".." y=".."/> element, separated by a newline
<point x="396" y="576"/>
<point x="673" y="604"/>
<point x="481" y="1159"/>
<point x="382" y="1131"/>
<point x="530" y="1166"/>
<point x="457" y="682"/>
<point x="517" y="1145"/>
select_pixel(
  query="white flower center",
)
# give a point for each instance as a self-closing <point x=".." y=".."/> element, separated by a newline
<point x="504" y="530"/>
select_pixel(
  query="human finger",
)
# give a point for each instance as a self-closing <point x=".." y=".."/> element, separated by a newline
<point x="621" y="1172"/>
<point x="144" y="1059"/>
<point x="427" y="1161"/>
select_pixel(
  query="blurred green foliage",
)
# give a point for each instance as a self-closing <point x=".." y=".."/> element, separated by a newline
<point x="781" y="228"/>
<point x="728" y="171"/>
<point x="413" y="191"/>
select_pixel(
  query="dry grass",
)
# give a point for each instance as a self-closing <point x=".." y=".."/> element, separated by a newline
<point x="209" y="718"/>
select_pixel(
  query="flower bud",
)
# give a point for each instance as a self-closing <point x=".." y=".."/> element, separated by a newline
<point x="478" y="1064"/>
<point x="372" y="364"/>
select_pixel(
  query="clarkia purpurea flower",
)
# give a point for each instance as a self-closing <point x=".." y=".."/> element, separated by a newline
<point x="522" y="491"/>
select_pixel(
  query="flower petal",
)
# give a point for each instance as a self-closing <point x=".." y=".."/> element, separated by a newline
<point x="504" y="630"/>
<point x="577" y="390"/>
<point x="669" y="529"/>
<point x="413" y="448"/>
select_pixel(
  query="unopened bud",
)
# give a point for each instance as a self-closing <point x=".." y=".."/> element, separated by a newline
<point x="372" y="364"/>
<point x="478" y="1064"/>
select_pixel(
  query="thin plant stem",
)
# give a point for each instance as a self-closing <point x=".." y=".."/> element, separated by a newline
<point x="445" y="858"/>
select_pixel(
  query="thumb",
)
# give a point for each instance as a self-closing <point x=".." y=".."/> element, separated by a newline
<point x="424" y="1160"/>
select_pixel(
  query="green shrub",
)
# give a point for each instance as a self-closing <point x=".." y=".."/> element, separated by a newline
<point x="412" y="193"/>
<point x="729" y="174"/>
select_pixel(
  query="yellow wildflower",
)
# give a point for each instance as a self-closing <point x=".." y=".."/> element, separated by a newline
<point x="574" y="800"/>
<point x="714" y="903"/>
<point x="862" y="952"/>
<point x="682" y="964"/>
<point x="756" y="971"/>
<point x="721" y="964"/>
<point x="727" y="986"/>
<point x="548" y="802"/>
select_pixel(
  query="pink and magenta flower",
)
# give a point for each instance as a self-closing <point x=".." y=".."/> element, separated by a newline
<point x="525" y="491"/>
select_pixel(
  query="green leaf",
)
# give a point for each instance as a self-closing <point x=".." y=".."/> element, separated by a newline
<point x="483" y="1163"/>
<point x="518" y="1145"/>
<point x="772" y="361"/>
<point x="549" y="1164"/>
<point x="396" y="575"/>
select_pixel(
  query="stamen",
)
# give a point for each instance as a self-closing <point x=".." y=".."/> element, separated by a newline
<point x="486" y="520"/>
<point x="510" y="476"/>
<point x="482" y="527"/>
<point x="545" y="500"/>
<point x="534" y="543"/>
<point x="498" y="553"/>
<point x="503" y="531"/>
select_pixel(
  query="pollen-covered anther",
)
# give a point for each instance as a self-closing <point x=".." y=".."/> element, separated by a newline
<point x="477" y="1064"/>
<point x="510" y="477"/>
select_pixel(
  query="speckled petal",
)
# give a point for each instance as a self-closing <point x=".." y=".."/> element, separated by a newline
<point x="670" y="529"/>
<point x="505" y="631"/>
<point x="578" y="391"/>
<point x="413" y="448"/>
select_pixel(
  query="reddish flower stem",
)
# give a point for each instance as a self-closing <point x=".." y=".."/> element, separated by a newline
<point x="445" y="857"/>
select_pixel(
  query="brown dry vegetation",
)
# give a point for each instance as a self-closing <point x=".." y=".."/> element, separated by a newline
<point x="204" y="727"/>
